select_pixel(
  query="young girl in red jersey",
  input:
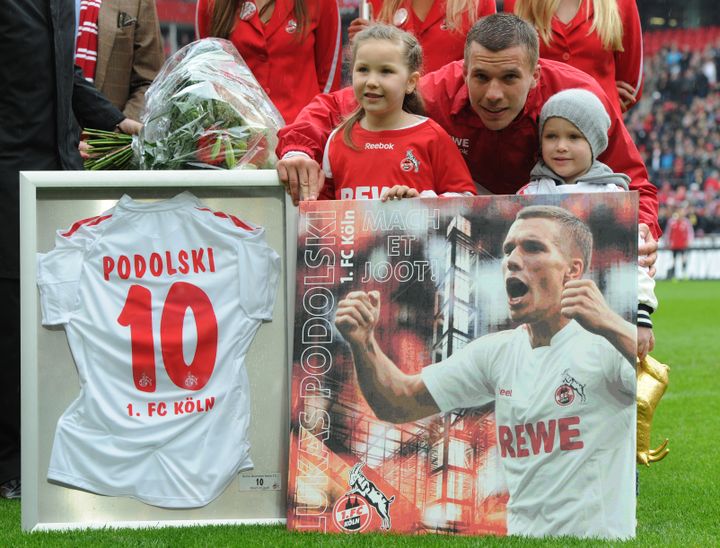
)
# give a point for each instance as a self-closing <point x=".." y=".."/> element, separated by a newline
<point x="388" y="149"/>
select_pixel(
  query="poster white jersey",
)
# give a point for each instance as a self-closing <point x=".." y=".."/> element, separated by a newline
<point x="160" y="302"/>
<point x="558" y="411"/>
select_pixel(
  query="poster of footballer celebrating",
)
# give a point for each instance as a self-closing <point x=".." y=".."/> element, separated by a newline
<point x="465" y="366"/>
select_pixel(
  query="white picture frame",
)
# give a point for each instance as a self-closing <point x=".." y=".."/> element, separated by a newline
<point x="53" y="200"/>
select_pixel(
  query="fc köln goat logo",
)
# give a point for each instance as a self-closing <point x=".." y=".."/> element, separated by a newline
<point x="410" y="163"/>
<point x="568" y="390"/>
<point x="352" y="513"/>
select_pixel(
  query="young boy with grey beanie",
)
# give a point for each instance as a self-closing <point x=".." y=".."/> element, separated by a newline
<point x="573" y="132"/>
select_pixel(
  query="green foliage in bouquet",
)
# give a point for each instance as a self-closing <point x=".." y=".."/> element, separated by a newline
<point x="205" y="109"/>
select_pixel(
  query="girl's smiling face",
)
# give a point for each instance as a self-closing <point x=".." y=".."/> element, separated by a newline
<point x="381" y="79"/>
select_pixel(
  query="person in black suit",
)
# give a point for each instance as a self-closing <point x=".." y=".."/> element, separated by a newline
<point x="42" y="96"/>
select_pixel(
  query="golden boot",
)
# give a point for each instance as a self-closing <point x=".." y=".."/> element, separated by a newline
<point x="652" y="381"/>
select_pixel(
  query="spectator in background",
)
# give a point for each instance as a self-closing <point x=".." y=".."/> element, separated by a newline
<point x="119" y="49"/>
<point x="440" y="26"/>
<point x="678" y="132"/>
<point x="679" y="235"/>
<point x="42" y="95"/>
<point x="600" y="37"/>
<point x="292" y="47"/>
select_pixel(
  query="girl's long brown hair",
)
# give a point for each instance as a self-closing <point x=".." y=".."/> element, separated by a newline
<point x="225" y="13"/>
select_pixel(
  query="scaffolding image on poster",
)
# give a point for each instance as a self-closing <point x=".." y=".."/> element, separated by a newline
<point x="437" y="386"/>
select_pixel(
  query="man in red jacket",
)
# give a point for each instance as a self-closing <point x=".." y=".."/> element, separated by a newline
<point x="489" y="103"/>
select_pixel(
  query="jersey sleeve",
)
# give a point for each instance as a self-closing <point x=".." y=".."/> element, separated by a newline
<point x="328" y="47"/>
<point x="259" y="268"/>
<point x="59" y="271"/>
<point x="623" y="157"/>
<point x="629" y="63"/>
<point x="310" y="130"/>
<point x="619" y="373"/>
<point x="463" y="380"/>
<point x="450" y="172"/>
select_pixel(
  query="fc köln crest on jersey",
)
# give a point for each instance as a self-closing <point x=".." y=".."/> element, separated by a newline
<point x="410" y="162"/>
<point x="569" y="390"/>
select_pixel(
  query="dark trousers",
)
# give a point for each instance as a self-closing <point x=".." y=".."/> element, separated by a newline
<point x="10" y="368"/>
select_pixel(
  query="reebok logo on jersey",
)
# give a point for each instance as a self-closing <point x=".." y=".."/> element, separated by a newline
<point x="504" y="392"/>
<point x="379" y="146"/>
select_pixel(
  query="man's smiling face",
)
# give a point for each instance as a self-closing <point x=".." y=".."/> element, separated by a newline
<point x="498" y="83"/>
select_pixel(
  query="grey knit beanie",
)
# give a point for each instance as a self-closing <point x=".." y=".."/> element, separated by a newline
<point x="585" y="111"/>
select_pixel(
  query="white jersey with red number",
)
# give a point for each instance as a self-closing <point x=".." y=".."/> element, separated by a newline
<point x="565" y="417"/>
<point x="160" y="302"/>
<point x="421" y="156"/>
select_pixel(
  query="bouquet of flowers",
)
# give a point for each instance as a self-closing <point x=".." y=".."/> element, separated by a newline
<point x="205" y="109"/>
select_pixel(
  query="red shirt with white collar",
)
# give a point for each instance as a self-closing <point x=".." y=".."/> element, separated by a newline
<point x="421" y="156"/>
<point x="574" y="44"/>
<point x="291" y="68"/>
<point x="440" y="44"/>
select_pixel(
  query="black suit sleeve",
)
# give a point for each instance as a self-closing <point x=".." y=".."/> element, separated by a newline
<point x="91" y="108"/>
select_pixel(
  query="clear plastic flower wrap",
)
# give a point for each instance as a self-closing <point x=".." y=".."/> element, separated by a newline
<point x="205" y="109"/>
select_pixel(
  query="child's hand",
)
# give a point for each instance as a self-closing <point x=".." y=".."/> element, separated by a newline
<point x="645" y="341"/>
<point x="399" y="192"/>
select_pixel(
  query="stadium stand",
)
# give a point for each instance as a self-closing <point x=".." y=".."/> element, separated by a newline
<point x="677" y="124"/>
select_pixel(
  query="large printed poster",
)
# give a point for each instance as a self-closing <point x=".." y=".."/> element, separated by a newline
<point x="463" y="366"/>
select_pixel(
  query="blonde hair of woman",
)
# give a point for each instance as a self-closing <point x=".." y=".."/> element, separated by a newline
<point x="606" y="19"/>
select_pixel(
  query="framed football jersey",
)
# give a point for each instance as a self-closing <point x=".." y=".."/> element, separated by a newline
<point x="157" y="392"/>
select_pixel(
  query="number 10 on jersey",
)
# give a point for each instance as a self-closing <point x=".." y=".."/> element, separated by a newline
<point x="137" y="315"/>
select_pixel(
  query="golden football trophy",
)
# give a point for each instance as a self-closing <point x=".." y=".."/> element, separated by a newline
<point x="652" y="381"/>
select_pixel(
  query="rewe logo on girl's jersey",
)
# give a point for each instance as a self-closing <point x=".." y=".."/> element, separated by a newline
<point x="361" y="192"/>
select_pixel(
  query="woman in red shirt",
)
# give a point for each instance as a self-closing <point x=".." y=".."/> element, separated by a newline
<point x="439" y="25"/>
<point x="291" y="46"/>
<point x="600" y="37"/>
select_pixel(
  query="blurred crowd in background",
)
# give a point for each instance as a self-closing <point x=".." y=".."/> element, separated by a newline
<point x="676" y="125"/>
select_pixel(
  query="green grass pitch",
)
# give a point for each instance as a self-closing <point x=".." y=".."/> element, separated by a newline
<point x="679" y="497"/>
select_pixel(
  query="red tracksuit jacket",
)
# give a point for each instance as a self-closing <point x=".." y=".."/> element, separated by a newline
<point x="291" y="69"/>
